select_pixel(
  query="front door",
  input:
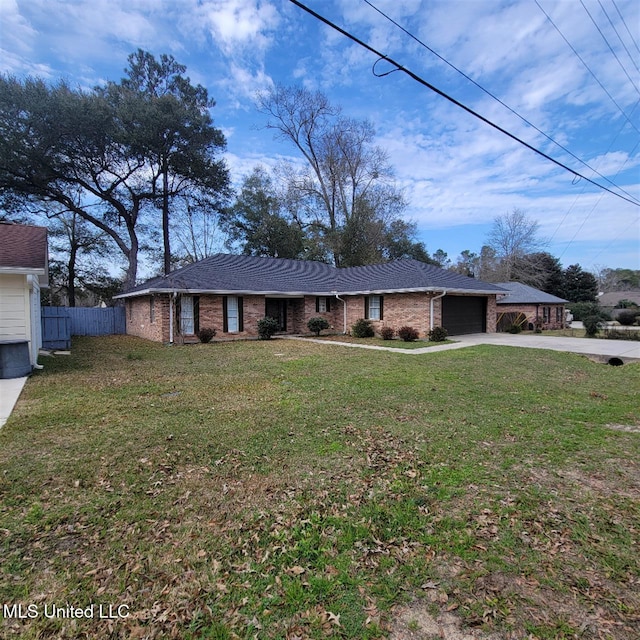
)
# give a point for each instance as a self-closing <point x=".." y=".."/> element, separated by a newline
<point x="277" y="308"/>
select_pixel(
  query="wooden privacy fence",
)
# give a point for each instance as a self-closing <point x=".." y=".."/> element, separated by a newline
<point x="60" y="323"/>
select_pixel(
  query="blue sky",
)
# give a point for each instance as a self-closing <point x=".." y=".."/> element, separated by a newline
<point x="578" y="82"/>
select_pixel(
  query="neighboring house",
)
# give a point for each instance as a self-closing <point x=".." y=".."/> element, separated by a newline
<point x="541" y="309"/>
<point x="23" y="271"/>
<point x="231" y="293"/>
<point x="609" y="301"/>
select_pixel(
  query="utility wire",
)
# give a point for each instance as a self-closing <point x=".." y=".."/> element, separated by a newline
<point x="624" y="22"/>
<point x="423" y="82"/>
<point x="489" y="93"/>
<point x="630" y="155"/>
<point x="615" y="55"/>
<point x="613" y="26"/>
<point x="587" y="66"/>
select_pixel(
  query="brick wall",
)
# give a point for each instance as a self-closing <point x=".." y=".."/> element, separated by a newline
<point x="535" y="312"/>
<point x="142" y="323"/>
<point x="399" y="309"/>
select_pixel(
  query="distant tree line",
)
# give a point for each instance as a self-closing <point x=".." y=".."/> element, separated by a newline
<point x="134" y="167"/>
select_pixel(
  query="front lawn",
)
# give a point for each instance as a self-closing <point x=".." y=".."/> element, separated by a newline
<point x="287" y="489"/>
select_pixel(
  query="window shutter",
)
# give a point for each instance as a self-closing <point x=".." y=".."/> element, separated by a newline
<point x="225" y="322"/>
<point x="196" y="314"/>
<point x="381" y="299"/>
<point x="178" y="309"/>
<point x="328" y="304"/>
<point x="317" y="304"/>
<point x="366" y="307"/>
<point x="240" y="315"/>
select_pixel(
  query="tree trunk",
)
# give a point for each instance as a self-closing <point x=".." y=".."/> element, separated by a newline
<point x="71" y="284"/>
<point x="165" y="220"/>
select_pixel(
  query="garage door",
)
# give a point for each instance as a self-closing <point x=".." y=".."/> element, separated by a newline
<point x="464" y="314"/>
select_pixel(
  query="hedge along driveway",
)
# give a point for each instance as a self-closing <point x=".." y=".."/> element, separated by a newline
<point x="272" y="489"/>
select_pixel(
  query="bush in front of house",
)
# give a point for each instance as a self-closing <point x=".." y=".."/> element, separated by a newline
<point x="627" y="318"/>
<point x="387" y="333"/>
<point x="317" y="325"/>
<point x="206" y="334"/>
<point x="438" y="334"/>
<point x="267" y="326"/>
<point x="362" y="329"/>
<point x="408" y="334"/>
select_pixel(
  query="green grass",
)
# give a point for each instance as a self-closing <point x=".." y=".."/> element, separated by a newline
<point x="276" y="489"/>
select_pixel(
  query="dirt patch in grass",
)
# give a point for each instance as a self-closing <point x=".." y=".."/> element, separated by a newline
<point x="416" y="622"/>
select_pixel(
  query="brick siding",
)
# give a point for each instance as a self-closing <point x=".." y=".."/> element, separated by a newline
<point x="535" y="312"/>
<point x="399" y="309"/>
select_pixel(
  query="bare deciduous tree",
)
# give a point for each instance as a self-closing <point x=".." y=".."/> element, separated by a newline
<point x="513" y="237"/>
<point x="346" y="191"/>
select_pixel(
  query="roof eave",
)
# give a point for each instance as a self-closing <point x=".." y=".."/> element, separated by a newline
<point x="23" y="271"/>
<point x="298" y="294"/>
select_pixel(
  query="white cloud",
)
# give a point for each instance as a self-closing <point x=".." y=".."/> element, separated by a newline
<point x="238" y="25"/>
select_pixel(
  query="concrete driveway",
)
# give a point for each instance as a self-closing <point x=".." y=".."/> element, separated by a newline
<point x="602" y="349"/>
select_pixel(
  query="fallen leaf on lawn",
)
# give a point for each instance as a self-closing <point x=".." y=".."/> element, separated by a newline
<point x="295" y="571"/>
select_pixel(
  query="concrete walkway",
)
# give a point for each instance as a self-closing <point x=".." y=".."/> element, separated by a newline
<point x="10" y="391"/>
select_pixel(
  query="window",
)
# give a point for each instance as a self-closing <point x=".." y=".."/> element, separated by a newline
<point x="232" y="314"/>
<point x="323" y="304"/>
<point x="546" y="314"/>
<point x="559" y="314"/>
<point x="373" y="307"/>
<point x="187" y="323"/>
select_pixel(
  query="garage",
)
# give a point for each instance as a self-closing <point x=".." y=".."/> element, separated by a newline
<point x="464" y="314"/>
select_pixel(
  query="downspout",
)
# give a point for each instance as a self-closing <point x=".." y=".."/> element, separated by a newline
<point x="172" y="306"/>
<point x="344" y="306"/>
<point x="442" y="295"/>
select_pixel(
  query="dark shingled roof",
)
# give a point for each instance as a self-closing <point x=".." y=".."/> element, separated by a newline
<point x="223" y="273"/>
<point x="523" y="294"/>
<point x="23" y="247"/>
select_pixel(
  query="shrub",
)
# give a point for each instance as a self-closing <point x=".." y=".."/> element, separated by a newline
<point x="627" y="318"/>
<point x="438" y="334"/>
<point x="582" y="310"/>
<point x="317" y="325"/>
<point x="408" y="334"/>
<point x="515" y="328"/>
<point x="387" y="333"/>
<point x="613" y="334"/>
<point x="626" y="304"/>
<point x="362" y="329"/>
<point x="205" y="334"/>
<point x="592" y="324"/>
<point x="267" y="327"/>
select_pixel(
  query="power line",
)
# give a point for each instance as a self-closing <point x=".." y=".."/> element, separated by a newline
<point x="624" y="22"/>
<point x="617" y="173"/>
<point x="423" y="82"/>
<point x="489" y="93"/>
<point x="587" y="67"/>
<point x="615" y="55"/>
<point x="613" y="26"/>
